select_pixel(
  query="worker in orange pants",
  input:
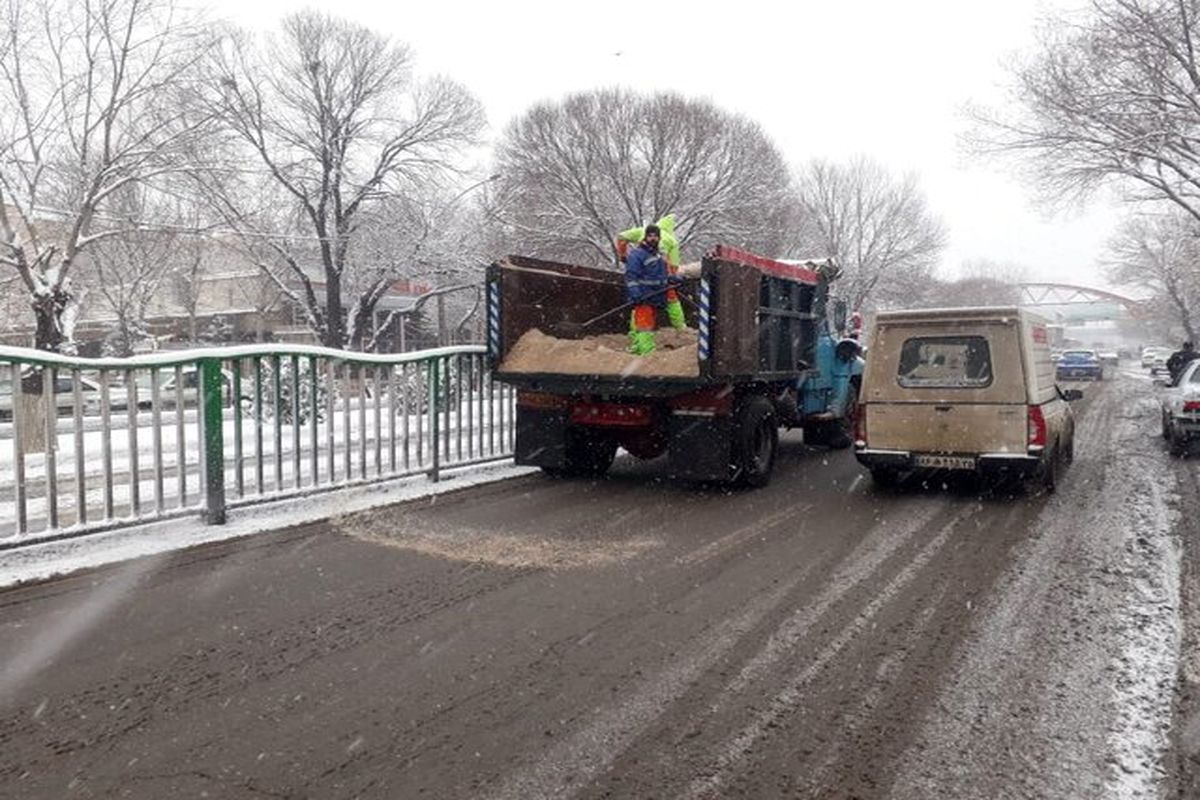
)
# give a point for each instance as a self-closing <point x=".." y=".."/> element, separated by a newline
<point x="669" y="246"/>
<point x="647" y="279"/>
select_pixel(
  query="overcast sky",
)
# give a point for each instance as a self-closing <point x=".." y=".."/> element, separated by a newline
<point x="880" y="78"/>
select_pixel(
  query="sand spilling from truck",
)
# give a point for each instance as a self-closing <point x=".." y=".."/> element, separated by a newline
<point x="605" y="354"/>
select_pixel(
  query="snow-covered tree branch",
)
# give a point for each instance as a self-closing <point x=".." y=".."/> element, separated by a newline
<point x="94" y="98"/>
<point x="342" y="133"/>
<point x="574" y="173"/>
<point x="875" y="225"/>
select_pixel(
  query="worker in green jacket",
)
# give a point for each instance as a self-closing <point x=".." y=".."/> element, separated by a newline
<point x="669" y="246"/>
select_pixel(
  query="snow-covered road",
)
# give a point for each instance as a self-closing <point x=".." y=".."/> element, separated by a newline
<point x="632" y="638"/>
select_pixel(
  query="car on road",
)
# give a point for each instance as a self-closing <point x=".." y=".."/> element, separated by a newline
<point x="169" y="394"/>
<point x="1159" y="362"/>
<point x="1181" y="410"/>
<point x="1079" y="365"/>
<point x="64" y="395"/>
<point x="1110" y="359"/>
<point x="1155" y="358"/>
<point x="963" y="390"/>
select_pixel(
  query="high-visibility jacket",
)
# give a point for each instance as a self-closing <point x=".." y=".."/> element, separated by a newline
<point x="646" y="276"/>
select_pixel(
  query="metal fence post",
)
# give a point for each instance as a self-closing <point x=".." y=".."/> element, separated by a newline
<point x="214" y="441"/>
<point x="435" y="468"/>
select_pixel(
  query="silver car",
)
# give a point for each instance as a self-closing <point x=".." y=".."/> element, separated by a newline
<point x="1181" y="410"/>
<point x="64" y="396"/>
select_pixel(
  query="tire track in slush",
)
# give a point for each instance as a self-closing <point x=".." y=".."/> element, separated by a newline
<point x="730" y="758"/>
<point x="566" y="768"/>
<point x="857" y="719"/>
<point x="1045" y="698"/>
<point x="864" y="561"/>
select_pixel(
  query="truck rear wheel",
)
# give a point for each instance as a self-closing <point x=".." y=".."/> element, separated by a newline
<point x="757" y="440"/>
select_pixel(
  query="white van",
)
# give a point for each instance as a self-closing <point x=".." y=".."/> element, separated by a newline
<point x="964" y="389"/>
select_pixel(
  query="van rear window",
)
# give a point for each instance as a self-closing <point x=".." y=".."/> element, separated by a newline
<point x="945" y="362"/>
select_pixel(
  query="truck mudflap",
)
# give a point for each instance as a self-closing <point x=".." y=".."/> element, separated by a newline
<point x="541" y="437"/>
<point x="701" y="446"/>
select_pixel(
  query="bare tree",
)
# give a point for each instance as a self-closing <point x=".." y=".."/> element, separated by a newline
<point x="93" y="94"/>
<point x="981" y="282"/>
<point x="876" y="226"/>
<point x="1161" y="254"/>
<point x="435" y="241"/>
<point x="190" y="262"/>
<point x="341" y="128"/>
<point x="574" y="173"/>
<point x="130" y="271"/>
<point x="1110" y="96"/>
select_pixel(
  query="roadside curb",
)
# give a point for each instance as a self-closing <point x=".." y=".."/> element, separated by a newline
<point x="60" y="557"/>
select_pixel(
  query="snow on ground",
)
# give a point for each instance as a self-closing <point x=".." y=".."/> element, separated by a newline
<point x="1067" y="685"/>
<point x="1146" y="667"/>
<point x="42" y="561"/>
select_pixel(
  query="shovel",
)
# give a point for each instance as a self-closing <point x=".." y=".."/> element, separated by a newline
<point x="573" y="330"/>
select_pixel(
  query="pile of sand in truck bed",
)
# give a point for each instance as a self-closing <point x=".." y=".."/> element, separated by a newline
<point x="606" y="354"/>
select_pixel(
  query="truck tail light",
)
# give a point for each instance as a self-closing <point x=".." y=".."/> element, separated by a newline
<point x="860" y="425"/>
<point x="1191" y="406"/>
<point x="1037" y="427"/>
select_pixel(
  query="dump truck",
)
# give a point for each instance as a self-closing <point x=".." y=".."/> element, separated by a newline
<point x="763" y="352"/>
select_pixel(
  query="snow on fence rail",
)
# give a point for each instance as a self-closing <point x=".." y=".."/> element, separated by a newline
<point x="91" y="444"/>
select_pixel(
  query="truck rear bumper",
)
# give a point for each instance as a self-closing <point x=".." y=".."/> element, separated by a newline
<point x="541" y="438"/>
<point x="986" y="464"/>
<point x="699" y="446"/>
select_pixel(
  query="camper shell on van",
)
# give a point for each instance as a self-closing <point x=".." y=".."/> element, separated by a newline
<point x="963" y="389"/>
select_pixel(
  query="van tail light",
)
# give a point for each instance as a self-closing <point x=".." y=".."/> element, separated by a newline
<point x="1191" y="406"/>
<point x="860" y="425"/>
<point x="1037" y="427"/>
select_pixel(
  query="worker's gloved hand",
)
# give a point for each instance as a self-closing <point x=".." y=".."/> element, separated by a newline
<point x="674" y="280"/>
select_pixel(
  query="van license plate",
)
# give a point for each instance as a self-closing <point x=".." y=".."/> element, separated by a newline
<point x="944" y="462"/>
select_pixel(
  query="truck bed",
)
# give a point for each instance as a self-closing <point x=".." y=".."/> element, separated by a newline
<point x="751" y="319"/>
<point x="605" y="354"/>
